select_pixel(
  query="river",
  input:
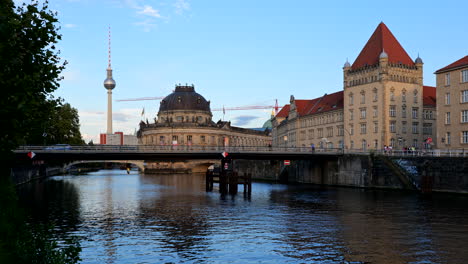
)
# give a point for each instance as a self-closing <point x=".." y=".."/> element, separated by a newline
<point x="139" y="218"/>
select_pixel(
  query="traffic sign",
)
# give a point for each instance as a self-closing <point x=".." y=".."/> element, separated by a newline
<point x="224" y="154"/>
<point x="287" y="162"/>
<point x="31" y="154"/>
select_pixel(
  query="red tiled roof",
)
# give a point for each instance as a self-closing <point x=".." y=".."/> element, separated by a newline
<point x="382" y="40"/>
<point x="302" y="106"/>
<point x="284" y="112"/>
<point x="429" y="96"/>
<point x="327" y="102"/>
<point x="459" y="63"/>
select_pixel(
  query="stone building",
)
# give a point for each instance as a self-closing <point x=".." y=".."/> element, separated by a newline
<point x="185" y="118"/>
<point x="383" y="102"/>
<point x="452" y="107"/>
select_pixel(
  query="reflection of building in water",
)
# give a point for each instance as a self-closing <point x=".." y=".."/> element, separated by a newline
<point x="185" y="120"/>
<point x="178" y="212"/>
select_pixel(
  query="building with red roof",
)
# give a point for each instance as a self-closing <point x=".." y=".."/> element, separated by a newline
<point x="452" y="107"/>
<point x="383" y="102"/>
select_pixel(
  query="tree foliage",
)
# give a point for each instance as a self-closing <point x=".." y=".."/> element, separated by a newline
<point x="30" y="70"/>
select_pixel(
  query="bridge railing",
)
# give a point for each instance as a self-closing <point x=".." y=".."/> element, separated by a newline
<point x="243" y="149"/>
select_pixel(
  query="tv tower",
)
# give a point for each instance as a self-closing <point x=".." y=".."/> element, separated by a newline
<point x="109" y="84"/>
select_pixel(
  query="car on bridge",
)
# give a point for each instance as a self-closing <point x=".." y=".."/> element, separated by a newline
<point x="59" y="147"/>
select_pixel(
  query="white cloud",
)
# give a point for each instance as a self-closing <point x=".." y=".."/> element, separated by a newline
<point x="181" y="6"/>
<point x="148" y="10"/>
<point x="147" y="24"/>
<point x="69" y="25"/>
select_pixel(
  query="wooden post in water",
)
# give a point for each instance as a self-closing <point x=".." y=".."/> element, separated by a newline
<point x="233" y="181"/>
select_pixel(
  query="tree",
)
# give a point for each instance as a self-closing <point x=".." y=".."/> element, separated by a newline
<point x="62" y="126"/>
<point x="30" y="70"/>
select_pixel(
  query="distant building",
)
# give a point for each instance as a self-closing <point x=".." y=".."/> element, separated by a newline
<point x="118" y="138"/>
<point x="383" y="102"/>
<point x="452" y="106"/>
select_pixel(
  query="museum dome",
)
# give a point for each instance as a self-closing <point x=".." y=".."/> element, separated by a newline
<point x="184" y="97"/>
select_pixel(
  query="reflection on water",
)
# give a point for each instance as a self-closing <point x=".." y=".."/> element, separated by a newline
<point x="136" y="218"/>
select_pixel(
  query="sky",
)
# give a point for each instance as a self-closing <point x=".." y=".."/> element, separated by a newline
<point x="235" y="52"/>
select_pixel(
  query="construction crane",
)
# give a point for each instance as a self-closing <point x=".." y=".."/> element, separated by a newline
<point x="224" y="109"/>
<point x="140" y="99"/>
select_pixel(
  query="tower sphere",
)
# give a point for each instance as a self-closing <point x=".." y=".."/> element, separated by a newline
<point x="109" y="83"/>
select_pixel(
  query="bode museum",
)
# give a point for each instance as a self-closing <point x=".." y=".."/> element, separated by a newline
<point x="185" y="119"/>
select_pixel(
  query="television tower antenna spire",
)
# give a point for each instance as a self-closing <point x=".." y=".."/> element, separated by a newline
<point x="109" y="84"/>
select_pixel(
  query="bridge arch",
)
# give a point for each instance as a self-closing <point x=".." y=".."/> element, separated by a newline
<point x="139" y="163"/>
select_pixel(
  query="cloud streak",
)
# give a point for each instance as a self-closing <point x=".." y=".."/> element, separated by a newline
<point x="243" y="120"/>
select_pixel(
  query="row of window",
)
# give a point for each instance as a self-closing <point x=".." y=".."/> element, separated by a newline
<point x="320" y="133"/>
<point x="323" y="119"/>
<point x="392" y="112"/>
<point x="427" y="128"/>
<point x="463" y="97"/>
<point x="463" y="138"/>
<point x="463" y="77"/>
<point x="463" y="117"/>
<point x="375" y="96"/>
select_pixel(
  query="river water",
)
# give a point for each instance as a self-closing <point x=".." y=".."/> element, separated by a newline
<point x="139" y="218"/>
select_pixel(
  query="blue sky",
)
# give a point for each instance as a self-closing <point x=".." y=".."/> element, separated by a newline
<point x="236" y="53"/>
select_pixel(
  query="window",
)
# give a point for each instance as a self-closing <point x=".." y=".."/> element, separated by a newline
<point x="202" y="139"/>
<point x="447" y="79"/>
<point x="340" y="130"/>
<point x="414" y="112"/>
<point x="351" y="129"/>
<point x="392" y="95"/>
<point x="363" y="113"/>
<point x="320" y="132"/>
<point x="427" y="129"/>
<point x="329" y="131"/>
<point x="447" y="98"/>
<point x="464" y="139"/>
<point x="189" y="139"/>
<point x="180" y="119"/>
<point x="363" y="97"/>
<point x="375" y="95"/>
<point x="161" y="140"/>
<point x="415" y="143"/>
<point x="352" y="144"/>
<point x="415" y="127"/>
<point x="351" y="114"/>
<point x="392" y="127"/>
<point x="363" y="128"/>
<point x="403" y="97"/>
<point x="403" y="127"/>
<point x="464" y="96"/>
<point x="364" y="144"/>
<point x="392" y="142"/>
<point x="175" y="138"/>
<point x="376" y="143"/>
<point x="403" y="111"/>
<point x="415" y="97"/>
<point x="376" y="127"/>
<point x="464" y="116"/>
<point x="447" y="118"/>
<point x="392" y="111"/>
<point x="351" y="99"/>
<point x="375" y="111"/>
<point x="464" y="77"/>
<point x="448" y="138"/>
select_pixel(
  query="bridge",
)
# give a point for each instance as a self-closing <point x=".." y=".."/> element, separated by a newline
<point x="154" y="152"/>
<point x="147" y="152"/>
